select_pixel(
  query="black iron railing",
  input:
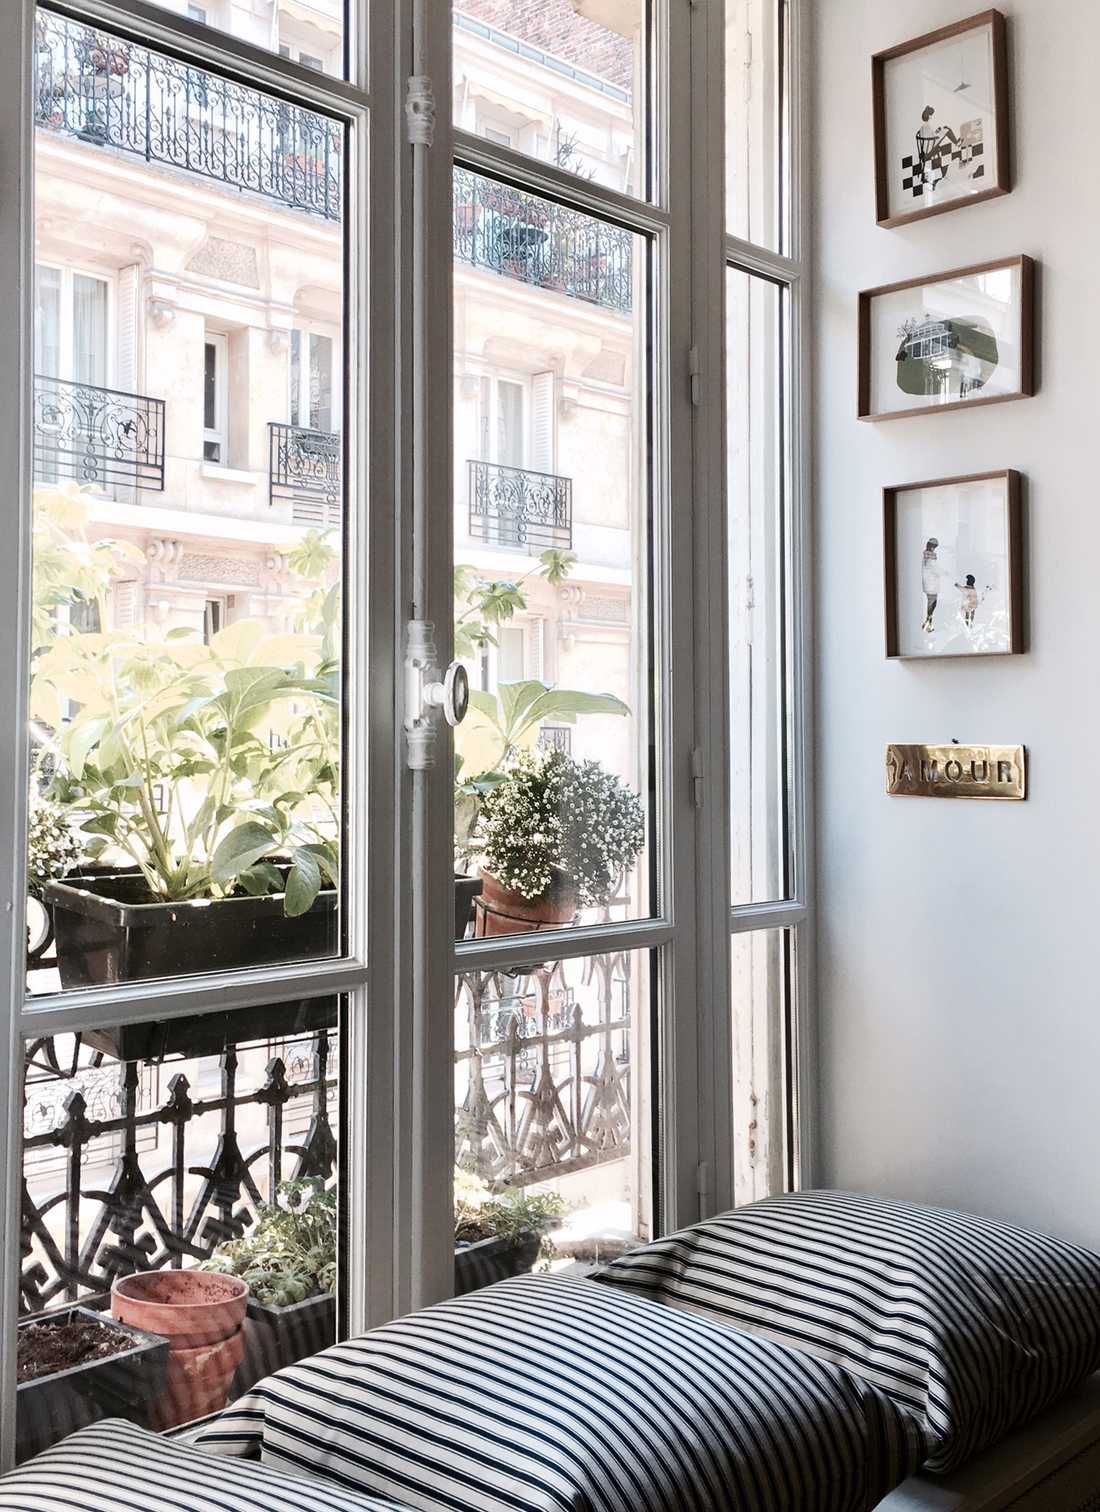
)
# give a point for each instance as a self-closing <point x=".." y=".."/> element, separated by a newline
<point x="99" y="436"/>
<point x="305" y="472"/>
<point x="543" y="1080"/>
<point x="91" y="85"/>
<point x="520" y="509"/>
<point x="178" y="1173"/>
<point x="539" y="242"/>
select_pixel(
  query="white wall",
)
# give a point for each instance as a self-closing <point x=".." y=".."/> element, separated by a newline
<point x="960" y="1010"/>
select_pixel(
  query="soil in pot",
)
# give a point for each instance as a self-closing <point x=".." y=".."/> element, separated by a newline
<point x="46" y="1348"/>
<point x="201" y="1314"/>
<point x="500" y="910"/>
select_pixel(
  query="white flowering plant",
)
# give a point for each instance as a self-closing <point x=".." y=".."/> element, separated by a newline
<point x="551" y="814"/>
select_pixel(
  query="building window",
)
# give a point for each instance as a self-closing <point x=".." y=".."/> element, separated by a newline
<point x="213" y="618"/>
<point x="313" y="394"/>
<point x="72" y="325"/>
<point x="215" y="406"/>
<point x="196" y="13"/>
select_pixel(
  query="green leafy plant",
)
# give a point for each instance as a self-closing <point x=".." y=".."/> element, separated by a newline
<point x="483" y="605"/>
<point x="550" y="813"/>
<point x="213" y="769"/>
<point x="290" y="1254"/>
<point x="511" y="1215"/>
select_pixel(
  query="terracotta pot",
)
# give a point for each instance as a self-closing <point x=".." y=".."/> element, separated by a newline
<point x="499" y="910"/>
<point x="201" y="1315"/>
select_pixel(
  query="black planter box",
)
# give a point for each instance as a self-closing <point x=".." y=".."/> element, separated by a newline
<point x="278" y="1336"/>
<point x="466" y="890"/>
<point x="123" y="1385"/>
<point x="494" y="1259"/>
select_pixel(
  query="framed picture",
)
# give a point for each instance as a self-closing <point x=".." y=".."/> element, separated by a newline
<point x="948" y="342"/>
<point x="941" y="120"/>
<point x="953" y="567"/>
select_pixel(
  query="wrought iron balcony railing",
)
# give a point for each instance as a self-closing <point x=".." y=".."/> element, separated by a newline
<point x="99" y="436"/>
<point x="100" y="89"/>
<point x="516" y="508"/>
<point x="305" y="472"/>
<point x="539" y="242"/>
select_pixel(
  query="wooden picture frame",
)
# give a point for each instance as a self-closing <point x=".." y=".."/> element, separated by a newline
<point x="939" y="153"/>
<point x="996" y="623"/>
<point x="1022" y="333"/>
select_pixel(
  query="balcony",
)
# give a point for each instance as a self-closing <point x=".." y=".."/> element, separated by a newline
<point x="522" y="236"/>
<point x="101" y="437"/>
<point x="305" y="472"/>
<point x="520" y="510"/>
<point x="97" y="88"/>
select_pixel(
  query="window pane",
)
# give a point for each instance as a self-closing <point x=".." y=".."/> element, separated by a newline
<point x="551" y="541"/>
<point x="558" y="80"/>
<point x="756" y="157"/>
<point x="185" y="803"/>
<point x="190" y="1161"/>
<point x="757" y="546"/>
<point x="552" y="1113"/>
<point x="761" y="970"/>
<point x="309" y="31"/>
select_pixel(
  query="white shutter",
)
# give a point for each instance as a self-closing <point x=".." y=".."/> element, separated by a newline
<point x="543" y="418"/>
<point x="127" y="364"/>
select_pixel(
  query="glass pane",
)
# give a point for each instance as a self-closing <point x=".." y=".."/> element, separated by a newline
<point x="760" y="969"/>
<point x="756" y="129"/>
<point x="558" y="80"/>
<point x="553" y="1115"/>
<point x="179" y="1215"/>
<point x="758" y="696"/>
<point x="309" y="31"/>
<point x="185" y="803"/>
<point x="551" y="542"/>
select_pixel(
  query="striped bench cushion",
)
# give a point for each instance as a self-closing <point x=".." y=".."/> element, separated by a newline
<point x="545" y="1394"/>
<point x="971" y="1324"/>
<point x="115" y="1467"/>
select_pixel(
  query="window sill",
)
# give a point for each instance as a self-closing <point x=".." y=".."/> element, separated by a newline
<point x="219" y="474"/>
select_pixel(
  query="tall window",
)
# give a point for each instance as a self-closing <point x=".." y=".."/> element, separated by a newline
<point x="768" y="828"/>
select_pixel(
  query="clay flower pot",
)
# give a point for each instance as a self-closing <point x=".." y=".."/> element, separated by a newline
<point x="201" y="1315"/>
<point x="499" y="910"/>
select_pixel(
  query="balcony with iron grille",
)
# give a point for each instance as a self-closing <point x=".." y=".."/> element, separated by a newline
<point x="541" y="243"/>
<point x="104" y="438"/>
<point x="519" y="509"/>
<point x="305" y="470"/>
<point x="91" y="86"/>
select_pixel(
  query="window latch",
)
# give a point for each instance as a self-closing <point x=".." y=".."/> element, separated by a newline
<point x="428" y="693"/>
<point x="420" y="110"/>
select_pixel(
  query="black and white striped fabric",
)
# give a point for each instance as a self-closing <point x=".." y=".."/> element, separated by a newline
<point x="543" y="1394"/>
<point x="116" y="1467"/>
<point x="971" y="1324"/>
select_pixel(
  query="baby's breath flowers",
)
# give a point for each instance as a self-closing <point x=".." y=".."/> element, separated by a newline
<point x="551" y="813"/>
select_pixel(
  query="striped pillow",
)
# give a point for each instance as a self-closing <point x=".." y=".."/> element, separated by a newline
<point x="973" y="1325"/>
<point x="116" y="1467"/>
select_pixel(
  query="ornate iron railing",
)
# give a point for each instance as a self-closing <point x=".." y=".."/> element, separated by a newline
<point x="543" y="1070"/>
<point x="99" y="436"/>
<point x="163" y="1201"/>
<point x="518" y="508"/>
<point x="305" y="472"/>
<point x="92" y="85"/>
<point x="539" y="242"/>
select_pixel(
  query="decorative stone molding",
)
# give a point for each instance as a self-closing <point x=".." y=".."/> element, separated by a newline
<point x="278" y="340"/>
<point x="162" y="314"/>
<point x="165" y="554"/>
<point x="199" y="567"/>
<point x="420" y="111"/>
<point x="228" y="261"/>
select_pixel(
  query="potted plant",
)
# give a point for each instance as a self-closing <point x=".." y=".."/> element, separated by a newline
<point x="288" y="1262"/>
<point x="204" y="775"/>
<point x="502" y="1235"/>
<point x="74" y="1366"/>
<point x="555" y="835"/>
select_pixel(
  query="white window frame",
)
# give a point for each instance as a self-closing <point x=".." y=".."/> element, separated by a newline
<point x="68" y="272"/>
<point x="306" y="330"/>
<point x="218" y="433"/>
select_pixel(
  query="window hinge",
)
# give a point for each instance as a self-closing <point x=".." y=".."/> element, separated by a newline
<point x="702" y="1180"/>
<point x="420" y="110"/>
<point x="695" y="376"/>
<point x="697" y="775"/>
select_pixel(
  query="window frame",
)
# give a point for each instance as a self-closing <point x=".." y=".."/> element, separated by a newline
<point x="218" y="433"/>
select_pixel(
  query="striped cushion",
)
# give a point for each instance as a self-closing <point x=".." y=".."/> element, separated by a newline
<point x="115" y="1467"/>
<point x="544" y="1394"/>
<point x="973" y="1325"/>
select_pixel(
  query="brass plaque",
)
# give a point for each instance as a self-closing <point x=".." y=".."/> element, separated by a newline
<point x="956" y="771"/>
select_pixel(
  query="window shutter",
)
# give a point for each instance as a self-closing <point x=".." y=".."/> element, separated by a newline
<point x="129" y="293"/>
<point x="543" y="413"/>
